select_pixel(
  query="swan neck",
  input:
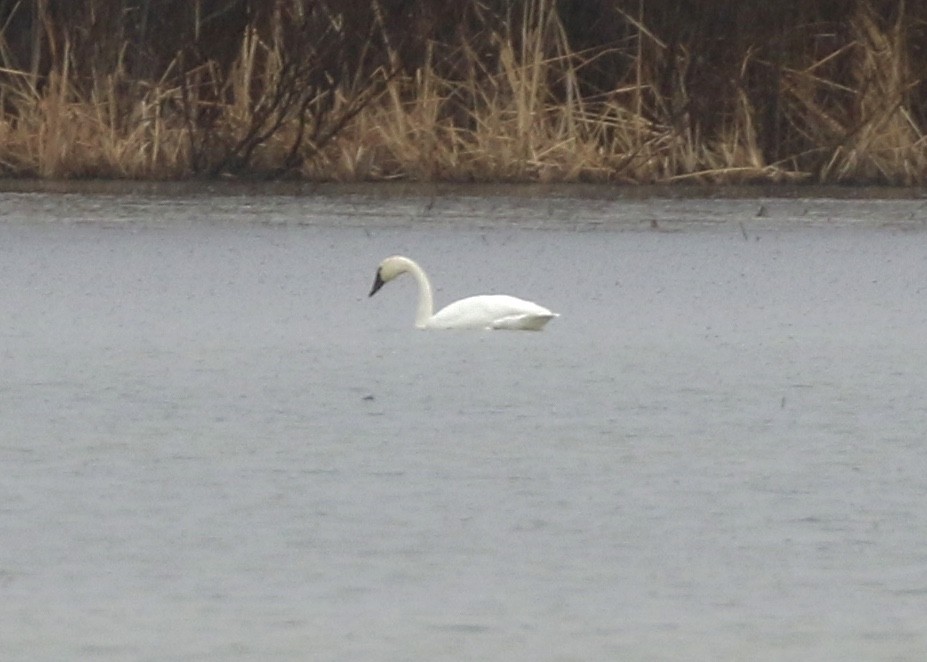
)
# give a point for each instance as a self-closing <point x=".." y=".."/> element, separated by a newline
<point x="425" y="297"/>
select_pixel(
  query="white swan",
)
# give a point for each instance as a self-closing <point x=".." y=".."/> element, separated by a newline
<point x="487" y="311"/>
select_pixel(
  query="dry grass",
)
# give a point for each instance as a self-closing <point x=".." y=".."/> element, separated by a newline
<point x="520" y="112"/>
<point x="501" y="124"/>
<point x="55" y="132"/>
<point x="527" y="120"/>
<point x="872" y="136"/>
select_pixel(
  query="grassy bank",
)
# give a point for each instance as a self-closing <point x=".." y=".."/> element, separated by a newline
<point x="613" y="91"/>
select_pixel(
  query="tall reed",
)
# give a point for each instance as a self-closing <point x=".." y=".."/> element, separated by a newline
<point x="606" y="91"/>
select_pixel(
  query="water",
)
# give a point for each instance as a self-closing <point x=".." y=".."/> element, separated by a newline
<point x="216" y="447"/>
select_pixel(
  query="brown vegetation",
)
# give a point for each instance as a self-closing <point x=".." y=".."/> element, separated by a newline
<point x="819" y="91"/>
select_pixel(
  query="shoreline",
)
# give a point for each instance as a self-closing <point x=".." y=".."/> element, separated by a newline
<point x="388" y="189"/>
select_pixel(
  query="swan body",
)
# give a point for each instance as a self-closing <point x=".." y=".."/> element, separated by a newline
<point x="486" y="311"/>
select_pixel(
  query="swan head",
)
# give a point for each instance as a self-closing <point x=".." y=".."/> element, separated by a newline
<point x="389" y="269"/>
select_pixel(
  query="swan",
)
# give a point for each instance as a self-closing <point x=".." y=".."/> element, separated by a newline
<point x="486" y="311"/>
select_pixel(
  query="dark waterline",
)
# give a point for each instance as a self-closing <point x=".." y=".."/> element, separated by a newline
<point x="190" y="188"/>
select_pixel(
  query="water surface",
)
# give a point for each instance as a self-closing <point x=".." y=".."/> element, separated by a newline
<point x="215" y="446"/>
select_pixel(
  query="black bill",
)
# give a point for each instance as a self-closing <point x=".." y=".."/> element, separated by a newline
<point x="377" y="284"/>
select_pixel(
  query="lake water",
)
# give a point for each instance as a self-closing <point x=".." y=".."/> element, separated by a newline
<point x="216" y="447"/>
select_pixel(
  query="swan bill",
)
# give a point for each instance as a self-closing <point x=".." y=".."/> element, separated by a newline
<point x="378" y="282"/>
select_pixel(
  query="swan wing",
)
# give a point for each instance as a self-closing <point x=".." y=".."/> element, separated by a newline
<point x="492" y="311"/>
<point x="525" y="322"/>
